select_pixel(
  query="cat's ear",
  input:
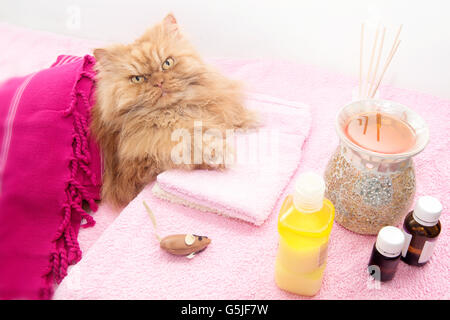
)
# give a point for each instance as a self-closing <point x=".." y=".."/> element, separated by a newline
<point x="170" y="19"/>
<point x="101" y="54"/>
<point x="171" y="25"/>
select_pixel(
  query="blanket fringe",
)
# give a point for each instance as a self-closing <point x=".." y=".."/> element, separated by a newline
<point x="66" y="248"/>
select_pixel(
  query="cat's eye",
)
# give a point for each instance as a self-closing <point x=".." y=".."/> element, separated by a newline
<point x="137" y="79"/>
<point x="167" y="64"/>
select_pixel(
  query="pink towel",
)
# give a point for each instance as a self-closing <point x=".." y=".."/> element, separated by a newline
<point x="265" y="162"/>
<point x="127" y="263"/>
<point x="48" y="167"/>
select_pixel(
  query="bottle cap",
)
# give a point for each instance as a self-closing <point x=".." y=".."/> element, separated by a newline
<point x="390" y="241"/>
<point x="309" y="192"/>
<point x="427" y="211"/>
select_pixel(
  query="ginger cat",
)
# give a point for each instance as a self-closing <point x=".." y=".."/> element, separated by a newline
<point x="146" y="90"/>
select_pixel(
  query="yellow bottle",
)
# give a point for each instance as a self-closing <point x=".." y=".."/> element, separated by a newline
<point x="304" y="225"/>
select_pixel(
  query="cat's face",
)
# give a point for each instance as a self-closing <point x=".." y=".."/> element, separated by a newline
<point x="156" y="71"/>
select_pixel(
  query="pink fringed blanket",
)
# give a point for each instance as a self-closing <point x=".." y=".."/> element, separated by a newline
<point x="49" y="166"/>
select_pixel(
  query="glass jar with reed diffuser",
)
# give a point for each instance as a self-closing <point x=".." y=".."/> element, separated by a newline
<point x="370" y="178"/>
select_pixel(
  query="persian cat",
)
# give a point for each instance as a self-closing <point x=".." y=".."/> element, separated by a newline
<point x="146" y="90"/>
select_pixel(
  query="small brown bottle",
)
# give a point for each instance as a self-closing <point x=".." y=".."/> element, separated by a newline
<point x="421" y="229"/>
<point x="386" y="253"/>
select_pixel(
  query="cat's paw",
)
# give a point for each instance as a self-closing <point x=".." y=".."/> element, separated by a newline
<point x="219" y="157"/>
<point x="250" y="120"/>
<point x="214" y="166"/>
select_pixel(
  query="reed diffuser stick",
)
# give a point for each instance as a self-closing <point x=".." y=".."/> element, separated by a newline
<point x="388" y="61"/>
<point x="396" y="39"/>
<point x="371" y="61"/>
<point x="361" y="51"/>
<point x="380" y="51"/>
<point x="391" y="54"/>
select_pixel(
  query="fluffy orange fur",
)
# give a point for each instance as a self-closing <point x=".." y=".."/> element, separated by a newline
<point x="146" y="90"/>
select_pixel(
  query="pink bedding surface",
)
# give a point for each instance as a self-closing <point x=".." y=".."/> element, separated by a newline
<point x="122" y="258"/>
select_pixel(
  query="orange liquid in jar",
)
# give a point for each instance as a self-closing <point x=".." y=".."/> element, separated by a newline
<point x="380" y="132"/>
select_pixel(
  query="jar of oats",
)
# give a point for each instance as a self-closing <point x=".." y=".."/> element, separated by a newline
<point x="370" y="177"/>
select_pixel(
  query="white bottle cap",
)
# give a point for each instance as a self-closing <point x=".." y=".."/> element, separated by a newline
<point x="427" y="211"/>
<point x="390" y="241"/>
<point x="309" y="192"/>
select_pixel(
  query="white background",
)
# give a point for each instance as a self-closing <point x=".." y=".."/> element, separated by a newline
<point x="320" y="32"/>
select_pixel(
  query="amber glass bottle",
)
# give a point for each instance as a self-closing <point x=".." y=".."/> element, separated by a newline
<point x="386" y="253"/>
<point x="421" y="229"/>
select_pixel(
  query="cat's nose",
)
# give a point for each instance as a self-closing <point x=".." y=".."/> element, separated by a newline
<point x="158" y="83"/>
